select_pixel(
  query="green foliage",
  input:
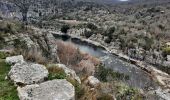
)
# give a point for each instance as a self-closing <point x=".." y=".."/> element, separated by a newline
<point x="103" y="74"/>
<point x="65" y="28"/>
<point x="19" y="44"/>
<point x="148" y="43"/>
<point x="127" y="93"/>
<point x="109" y="35"/>
<point x="79" y="90"/>
<point x="112" y="30"/>
<point x="91" y="26"/>
<point x="87" y="34"/>
<point x="10" y="27"/>
<point x="3" y="55"/>
<point x="166" y="50"/>
<point x="7" y="90"/>
<point x="56" y="73"/>
<point x="108" y="40"/>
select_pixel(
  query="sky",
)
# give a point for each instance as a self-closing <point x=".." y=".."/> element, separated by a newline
<point x="123" y="0"/>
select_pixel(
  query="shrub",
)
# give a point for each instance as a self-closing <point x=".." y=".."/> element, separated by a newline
<point x="79" y="89"/>
<point x="166" y="51"/>
<point x="56" y="73"/>
<point x="108" y="40"/>
<point x="10" y="27"/>
<point x="91" y="26"/>
<point x="88" y="34"/>
<point x="3" y="55"/>
<point x="87" y="64"/>
<point x="34" y="56"/>
<point x="110" y="31"/>
<point x="65" y="28"/>
<point x="148" y="43"/>
<point x="68" y="53"/>
<point x="86" y="67"/>
<point x="125" y="92"/>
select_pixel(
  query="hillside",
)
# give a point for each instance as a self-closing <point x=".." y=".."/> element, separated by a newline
<point x="84" y="50"/>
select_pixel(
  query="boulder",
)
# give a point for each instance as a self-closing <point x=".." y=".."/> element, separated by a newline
<point x="14" y="59"/>
<point x="51" y="42"/>
<point x="27" y="73"/>
<point x="94" y="82"/>
<point x="50" y="90"/>
<point x="164" y="94"/>
<point x="69" y="72"/>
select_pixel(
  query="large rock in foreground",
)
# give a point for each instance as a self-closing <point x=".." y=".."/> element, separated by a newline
<point x="50" y="90"/>
<point x="27" y="73"/>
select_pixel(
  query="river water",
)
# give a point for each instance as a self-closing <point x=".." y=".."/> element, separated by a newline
<point x="137" y="77"/>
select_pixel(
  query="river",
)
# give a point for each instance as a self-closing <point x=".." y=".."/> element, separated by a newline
<point x="137" y="77"/>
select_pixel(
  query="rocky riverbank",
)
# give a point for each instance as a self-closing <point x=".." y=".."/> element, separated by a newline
<point x="159" y="76"/>
<point x="43" y="47"/>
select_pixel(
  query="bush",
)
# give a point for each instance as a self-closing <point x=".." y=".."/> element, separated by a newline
<point x="166" y="51"/>
<point x="88" y="64"/>
<point x="108" y="40"/>
<point x="65" y="28"/>
<point x="3" y="55"/>
<point x="148" y="43"/>
<point x="10" y="27"/>
<point x="79" y="89"/>
<point x="88" y="34"/>
<point x="127" y="93"/>
<point x="68" y="53"/>
<point x="56" y="73"/>
<point x="91" y="26"/>
<point x="34" y="56"/>
<point x="110" y="31"/>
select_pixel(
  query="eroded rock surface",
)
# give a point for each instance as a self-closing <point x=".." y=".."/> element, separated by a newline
<point x="27" y="73"/>
<point x="94" y="82"/>
<point x="50" y="90"/>
<point x="14" y="59"/>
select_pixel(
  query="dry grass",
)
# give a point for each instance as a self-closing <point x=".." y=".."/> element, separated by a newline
<point x="71" y="56"/>
<point x="34" y="56"/>
<point x="68" y="53"/>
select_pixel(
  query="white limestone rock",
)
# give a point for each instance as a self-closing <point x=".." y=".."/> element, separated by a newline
<point x="94" y="82"/>
<point x="27" y="73"/>
<point x="14" y="59"/>
<point x="50" y="90"/>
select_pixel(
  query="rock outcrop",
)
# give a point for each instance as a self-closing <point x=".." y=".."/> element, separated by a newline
<point x="14" y="59"/>
<point x="50" y="90"/>
<point x="30" y="79"/>
<point x="94" y="82"/>
<point x="27" y="73"/>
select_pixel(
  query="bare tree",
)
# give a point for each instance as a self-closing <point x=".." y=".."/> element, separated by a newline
<point x="23" y="6"/>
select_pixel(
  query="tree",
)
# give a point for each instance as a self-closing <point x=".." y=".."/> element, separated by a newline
<point x="65" y="28"/>
<point x="23" y="6"/>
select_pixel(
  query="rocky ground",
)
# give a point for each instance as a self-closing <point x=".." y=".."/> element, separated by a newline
<point x="50" y="69"/>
